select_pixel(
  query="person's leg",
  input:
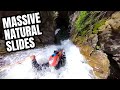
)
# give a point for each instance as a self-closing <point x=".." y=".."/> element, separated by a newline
<point x="36" y="65"/>
<point x="44" y="65"/>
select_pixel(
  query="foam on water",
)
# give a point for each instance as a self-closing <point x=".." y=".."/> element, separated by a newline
<point x="76" y="66"/>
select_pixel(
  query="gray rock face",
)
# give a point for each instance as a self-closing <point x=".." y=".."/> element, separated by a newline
<point x="109" y="39"/>
<point x="47" y="26"/>
<point x="110" y="43"/>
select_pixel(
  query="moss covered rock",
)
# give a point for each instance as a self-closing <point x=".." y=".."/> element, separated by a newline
<point x="85" y="34"/>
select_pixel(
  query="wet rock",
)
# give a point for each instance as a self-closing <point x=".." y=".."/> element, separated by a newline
<point x="5" y="14"/>
<point x="97" y="60"/>
<point x="109" y="40"/>
<point x="92" y="40"/>
<point x="2" y="47"/>
<point x="101" y="65"/>
<point x="47" y="27"/>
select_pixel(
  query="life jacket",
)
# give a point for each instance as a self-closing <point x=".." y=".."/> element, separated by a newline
<point x="54" y="59"/>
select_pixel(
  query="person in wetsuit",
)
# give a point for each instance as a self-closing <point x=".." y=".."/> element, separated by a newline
<point x="45" y="65"/>
<point x="36" y="65"/>
<point x="40" y="66"/>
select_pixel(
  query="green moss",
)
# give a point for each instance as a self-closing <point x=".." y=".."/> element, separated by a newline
<point x="79" y="21"/>
<point x="97" y="25"/>
<point x="80" y="40"/>
<point x="97" y="47"/>
<point x="84" y="33"/>
<point x="86" y="24"/>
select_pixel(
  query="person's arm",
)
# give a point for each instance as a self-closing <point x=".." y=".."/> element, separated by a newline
<point x="35" y="64"/>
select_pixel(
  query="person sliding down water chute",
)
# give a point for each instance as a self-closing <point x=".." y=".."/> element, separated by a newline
<point x="55" y="60"/>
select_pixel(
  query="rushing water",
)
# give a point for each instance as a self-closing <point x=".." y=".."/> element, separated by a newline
<point x="76" y="66"/>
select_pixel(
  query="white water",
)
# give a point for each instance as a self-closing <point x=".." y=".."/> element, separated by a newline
<point x="76" y="66"/>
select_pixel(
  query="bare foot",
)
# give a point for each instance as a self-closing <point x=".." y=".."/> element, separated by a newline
<point x="32" y="57"/>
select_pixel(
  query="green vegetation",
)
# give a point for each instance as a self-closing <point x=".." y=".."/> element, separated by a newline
<point x="81" y="18"/>
<point x="88" y="22"/>
<point x="97" y="25"/>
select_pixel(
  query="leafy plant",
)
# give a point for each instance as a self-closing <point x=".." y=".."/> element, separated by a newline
<point x="80" y="20"/>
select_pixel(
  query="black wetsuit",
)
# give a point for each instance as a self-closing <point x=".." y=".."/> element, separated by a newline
<point x="38" y="66"/>
<point x="44" y="65"/>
